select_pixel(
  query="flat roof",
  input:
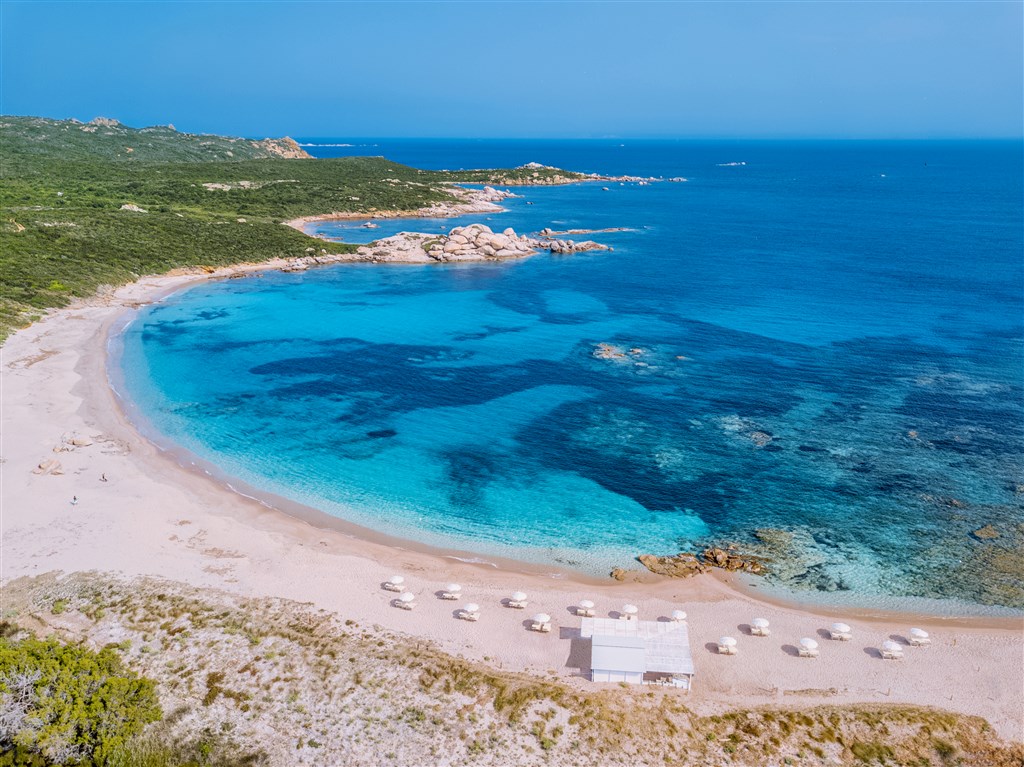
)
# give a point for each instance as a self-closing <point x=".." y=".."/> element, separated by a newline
<point x="618" y="654"/>
<point x="665" y="644"/>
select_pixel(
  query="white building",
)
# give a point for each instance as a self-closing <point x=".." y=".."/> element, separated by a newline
<point x="639" y="652"/>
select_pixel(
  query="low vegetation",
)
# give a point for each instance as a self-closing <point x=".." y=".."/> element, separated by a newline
<point x="269" y="681"/>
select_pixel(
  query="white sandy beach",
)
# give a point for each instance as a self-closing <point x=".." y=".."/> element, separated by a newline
<point x="154" y="517"/>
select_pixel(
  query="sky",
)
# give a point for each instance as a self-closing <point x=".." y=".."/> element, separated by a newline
<point x="523" y="69"/>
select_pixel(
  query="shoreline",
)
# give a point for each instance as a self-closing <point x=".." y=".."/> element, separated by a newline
<point x="156" y="517"/>
<point x="473" y="201"/>
<point x="132" y="418"/>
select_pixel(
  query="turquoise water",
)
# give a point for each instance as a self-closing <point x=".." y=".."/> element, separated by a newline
<point x="827" y="342"/>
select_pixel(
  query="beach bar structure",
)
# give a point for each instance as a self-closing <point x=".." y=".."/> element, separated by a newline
<point x="639" y="652"/>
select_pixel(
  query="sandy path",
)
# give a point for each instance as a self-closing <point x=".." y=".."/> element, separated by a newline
<point x="154" y="517"/>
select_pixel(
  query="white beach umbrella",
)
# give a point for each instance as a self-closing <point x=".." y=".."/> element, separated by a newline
<point x="727" y="641"/>
<point x="453" y="588"/>
<point x="678" y="615"/>
<point x="396" y="580"/>
<point x="890" y="646"/>
<point x="542" y="618"/>
<point x="840" y="628"/>
<point x="472" y="607"/>
<point x="630" y="609"/>
<point x="518" y="596"/>
<point x="808" y="644"/>
<point x="759" y="623"/>
<point x="918" y="633"/>
<point x="407" y="597"/>
<point x="586" y="604"/>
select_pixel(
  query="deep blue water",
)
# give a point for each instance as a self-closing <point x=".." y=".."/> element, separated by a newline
<point x="827" y="342"/>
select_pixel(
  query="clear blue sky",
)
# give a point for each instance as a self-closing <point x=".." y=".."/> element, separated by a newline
<point x="522" y="69"/>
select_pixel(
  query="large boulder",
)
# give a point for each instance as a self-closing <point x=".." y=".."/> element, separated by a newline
<point x="48" y="466"/>
<point x="730" y="560"/>
<point x="685" y="564"/>
<point x="682" y="565"/>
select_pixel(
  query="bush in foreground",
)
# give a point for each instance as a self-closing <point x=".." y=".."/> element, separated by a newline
<point x="68" y="705"/>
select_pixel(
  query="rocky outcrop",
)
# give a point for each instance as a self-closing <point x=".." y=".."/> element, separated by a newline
<point x="682" y="565"/>
<point x="476" y="242"/>
<point x="69" y="442"/>
<point x="729" y="559"/>
<point x="467" y="201"/>
<point x="631" y="576"/>
<point x="569" y="246"/>
<point x="133" y="208"/>
<point x="552" y="233"/>
<point x="286" y="148"/>
<point x="685" y="564"/>
<point x="216" y="186"/>
<point x="536" y="174"/>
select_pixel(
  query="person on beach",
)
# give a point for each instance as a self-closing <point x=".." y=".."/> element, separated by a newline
<point x="103" y="477"/>
<point x="74" y="500"/>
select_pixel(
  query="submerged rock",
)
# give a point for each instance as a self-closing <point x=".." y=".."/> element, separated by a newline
<point x="606" y="351"/>
<point x="986" y="533"/>
<point x="952" y="503"/>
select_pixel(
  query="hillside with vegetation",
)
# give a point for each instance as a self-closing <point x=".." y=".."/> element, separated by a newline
<point x="78" y="210"/>
<point x="104" y="138"/>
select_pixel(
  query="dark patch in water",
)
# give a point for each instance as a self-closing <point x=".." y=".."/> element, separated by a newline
<point x="488" y="331"/>
<point x="468" y="473"/>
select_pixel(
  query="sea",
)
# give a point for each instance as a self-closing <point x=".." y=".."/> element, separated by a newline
<point x="814" y="354"/>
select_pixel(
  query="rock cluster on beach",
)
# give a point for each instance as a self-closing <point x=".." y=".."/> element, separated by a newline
<point x="476" y="242"/>
<point x="686" y="564"/>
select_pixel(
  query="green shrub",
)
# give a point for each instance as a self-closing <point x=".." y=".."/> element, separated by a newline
<point x="66" y="704"/>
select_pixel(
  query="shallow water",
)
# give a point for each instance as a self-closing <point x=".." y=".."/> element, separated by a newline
<point x="825" y="341"/>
